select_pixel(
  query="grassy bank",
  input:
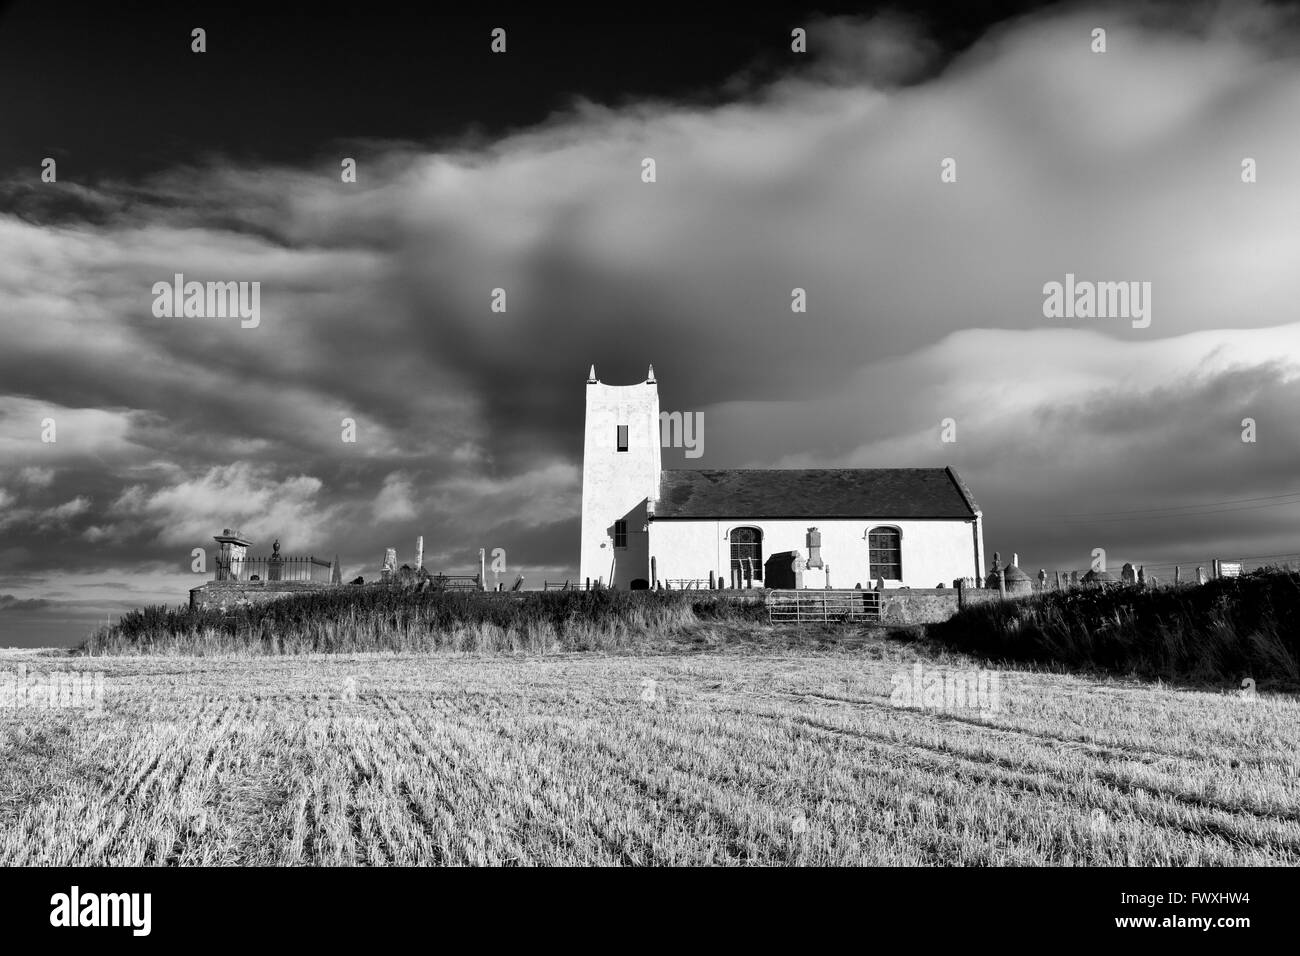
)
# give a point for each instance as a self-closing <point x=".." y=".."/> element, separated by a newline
<point x="350" y="620"/>
<point x="1226" y="630"/>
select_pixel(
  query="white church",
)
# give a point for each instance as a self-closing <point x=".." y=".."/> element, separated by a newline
<point x="643" y="526"/>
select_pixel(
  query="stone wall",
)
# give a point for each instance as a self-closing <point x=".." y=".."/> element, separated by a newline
<point x="230" y="594"/>
<point x="929" y="605"/>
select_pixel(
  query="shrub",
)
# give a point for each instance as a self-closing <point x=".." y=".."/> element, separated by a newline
<point x="1227" y="629"/>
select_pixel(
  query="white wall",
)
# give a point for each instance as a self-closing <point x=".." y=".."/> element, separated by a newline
<point x="934" y="552"/>
<point x="615" y="485"/>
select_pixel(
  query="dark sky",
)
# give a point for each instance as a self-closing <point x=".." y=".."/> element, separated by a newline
<point x="117" y="89"/>
<point x="522" y="171"/>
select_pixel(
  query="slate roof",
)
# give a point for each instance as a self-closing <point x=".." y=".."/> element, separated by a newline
<point x="814" y="493"/>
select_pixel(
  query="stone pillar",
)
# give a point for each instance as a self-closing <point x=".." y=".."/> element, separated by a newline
<point x="419" y="552"/>
<point x="1200" y="575"/>
<point x="390" y="565"/>
<point x="654" y="571"/>
<point x="231" y="555"/>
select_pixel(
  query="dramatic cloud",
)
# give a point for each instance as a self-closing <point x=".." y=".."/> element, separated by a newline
<point x="925" y="302"/>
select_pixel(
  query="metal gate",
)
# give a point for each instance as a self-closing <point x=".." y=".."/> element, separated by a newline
<point x="818" y="605"/>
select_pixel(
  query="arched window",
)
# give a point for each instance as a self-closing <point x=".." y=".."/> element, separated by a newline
<point x="747" y="554"/>
<point x="885" y="552"/>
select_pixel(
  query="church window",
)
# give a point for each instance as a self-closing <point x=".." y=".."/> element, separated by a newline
<point x="620" y="534"/>
<point x="622" y="438"/>
<point x="885" y="552"/>
<point x="747" y="553"/>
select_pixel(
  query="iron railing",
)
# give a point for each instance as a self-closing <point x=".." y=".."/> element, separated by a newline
<point x="274" y="568"/>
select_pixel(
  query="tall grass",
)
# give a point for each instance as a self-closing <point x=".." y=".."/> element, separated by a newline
<point x="395" y="619"/>
<point x="1228" y="629"/>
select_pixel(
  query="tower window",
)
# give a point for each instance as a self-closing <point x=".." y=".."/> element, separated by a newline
<point x="622" y="438"/>
<point x="620" y="533"/>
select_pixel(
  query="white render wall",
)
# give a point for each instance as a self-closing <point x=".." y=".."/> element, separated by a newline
<point x="616" y="485"/>
<point x="934" y="551"/>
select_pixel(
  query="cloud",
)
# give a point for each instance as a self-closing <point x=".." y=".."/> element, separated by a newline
<point x="244" y="496"/>
<point x="36" y="477"/>
<point x="395" y="501"/>
<point x="10" y="603"/>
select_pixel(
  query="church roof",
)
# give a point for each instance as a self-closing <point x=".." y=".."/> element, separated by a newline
<point x="814" y="493"/>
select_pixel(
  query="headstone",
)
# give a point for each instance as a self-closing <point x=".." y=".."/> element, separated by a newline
<point x="1142" y="575"/>
<point x="1042" y="579"/>
<point x="814" y="541"/>
<point x="1127" y="574"/>
<point x="390" y="565"/>
<point x="1200" y="575"/>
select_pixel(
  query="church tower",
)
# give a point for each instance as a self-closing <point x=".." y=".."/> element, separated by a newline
<point x="621" y="462"/>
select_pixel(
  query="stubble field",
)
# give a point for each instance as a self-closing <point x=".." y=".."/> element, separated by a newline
<point x="758" y="757"/>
